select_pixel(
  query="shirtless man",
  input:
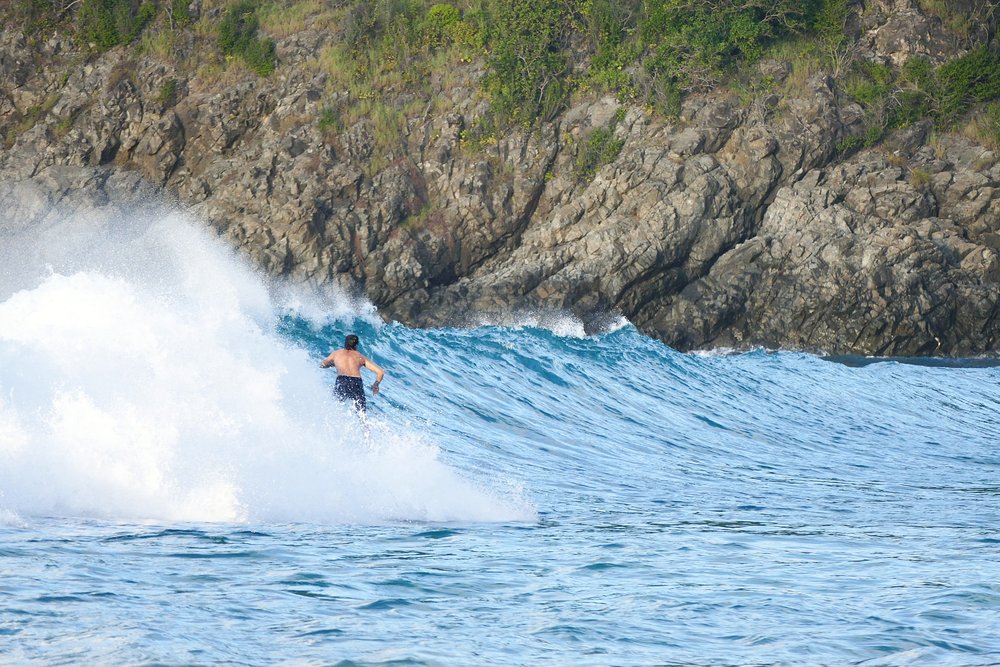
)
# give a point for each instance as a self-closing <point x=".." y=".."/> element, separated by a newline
<point x="349" y="363"/>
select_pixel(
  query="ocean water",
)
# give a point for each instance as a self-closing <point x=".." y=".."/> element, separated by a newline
<point x="177" y="485"/>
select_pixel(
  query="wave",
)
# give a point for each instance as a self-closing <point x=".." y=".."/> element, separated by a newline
<point x="143" y="376"/>
<point x="147" y="373"/>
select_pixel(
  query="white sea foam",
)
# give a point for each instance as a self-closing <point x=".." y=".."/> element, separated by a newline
<point x="710" y="353"/>
<point x="558" y="322"/>
<point x="321" y="305"/>
<point x="10" y="519"/>
<point x="141" y="378"/>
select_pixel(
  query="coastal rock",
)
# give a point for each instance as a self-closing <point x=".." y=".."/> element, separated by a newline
<point x="739" y="223"/>
<point x="863" y="257"/>
<point x="899" y="30"/>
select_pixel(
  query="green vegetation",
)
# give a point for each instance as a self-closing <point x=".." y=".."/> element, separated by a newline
<point x="238" y="37"/>
<point x="920" y="178"/>
<point x="390" y="61"/>
<point x="654" y="52"/>
<point x="527" y="64"/>
<point x="167" y="94"/>
<point x="835" y="42"/>
<point x="651" y="52"/>
<point x="872" y="86"/>
<point x="848" y="145"/>
<point x="178" y="14"/>
<point x="918" y="90"/>
<point x="38" y="16"/>
<point x="607" y="25"/>
<point x="967" y="80"/>
<point x="600" y="148"/>
<point x="440" y="27"/>
<point x="329" y="121"/>
<point x="988" y="128"/>
<point x="393" y="57"/>
<point x="108" y="23"/>
<point x="97" y="24"/>
<point x="694" y="45"/>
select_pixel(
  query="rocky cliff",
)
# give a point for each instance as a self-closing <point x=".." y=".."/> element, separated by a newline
<point x="747" y="221"/>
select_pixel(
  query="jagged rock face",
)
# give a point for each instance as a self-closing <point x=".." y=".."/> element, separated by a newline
<point x="863" y="257"/>
<point x="731" y="227"/>
<point x="897" y="30"/>
<point x="647" y="225"/>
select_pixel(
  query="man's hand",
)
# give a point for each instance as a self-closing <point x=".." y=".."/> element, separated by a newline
<point x="375" y="388"/>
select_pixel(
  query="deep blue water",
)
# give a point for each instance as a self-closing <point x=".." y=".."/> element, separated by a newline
<point x="520" y="497"/>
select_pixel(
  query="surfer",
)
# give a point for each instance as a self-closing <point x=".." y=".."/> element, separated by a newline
<point x="349" y="363"/>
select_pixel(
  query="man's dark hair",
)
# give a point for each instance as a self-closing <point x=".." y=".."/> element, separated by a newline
<point x="351" y="342"/>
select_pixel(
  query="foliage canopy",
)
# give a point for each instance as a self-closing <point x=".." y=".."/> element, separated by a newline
<point x="537" y="52"/>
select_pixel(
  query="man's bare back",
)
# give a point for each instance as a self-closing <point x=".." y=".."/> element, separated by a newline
<point x="349" y="362"/>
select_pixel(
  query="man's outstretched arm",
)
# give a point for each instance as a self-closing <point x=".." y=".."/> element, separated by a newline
<point x="379" y="374"/>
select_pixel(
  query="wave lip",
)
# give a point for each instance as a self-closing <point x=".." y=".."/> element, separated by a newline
<point x="560" y="323"/>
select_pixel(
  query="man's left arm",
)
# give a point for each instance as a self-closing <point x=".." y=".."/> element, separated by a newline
<point x="379" y="374"/>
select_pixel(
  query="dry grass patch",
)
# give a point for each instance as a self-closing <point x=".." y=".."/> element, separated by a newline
<point x="217" y="74"/>
<point x="984" y="128"/>
<point x="283" y="19"/>
<point x="895" y="160"/>
<point x="806" y="61"/>
<point x="920" y="179"/>
<point x="956" y="20"/>
<point x="159" y="43"/>
<point x="29" y="119"/>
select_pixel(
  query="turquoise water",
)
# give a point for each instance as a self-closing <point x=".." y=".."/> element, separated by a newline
<point x="178" y="487"/>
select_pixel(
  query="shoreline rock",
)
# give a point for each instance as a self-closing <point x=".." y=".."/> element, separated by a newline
<point x="735" y="226"/>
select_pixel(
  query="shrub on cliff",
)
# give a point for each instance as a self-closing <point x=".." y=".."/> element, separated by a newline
<point x="829" y="25"/>
<point x="608" y="26"/>
<point x="108" y="23"/>
<point x="526" y="80"/>
<point x="178" y="13"/>
<point x="694" y="43"/>
<point x="102" y="23"/>
<point x="949" y="91"/>
<point x="37" y="16"/>
<point x="945" y="94"/>
<point x="970" y="79"/>
<point x="660" y="51"/>
<point x="366" y="24"/>
<point x="440" y="24"/>
<point x="872" y="86"/>
<point x="600" y="148"/>
<point x="238" y="37"/>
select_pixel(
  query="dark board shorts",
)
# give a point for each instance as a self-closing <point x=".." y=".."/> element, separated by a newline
<point x="350" y="389"/>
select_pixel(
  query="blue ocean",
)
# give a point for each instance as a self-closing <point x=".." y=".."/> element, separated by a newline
<point x="178" y="485"/>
